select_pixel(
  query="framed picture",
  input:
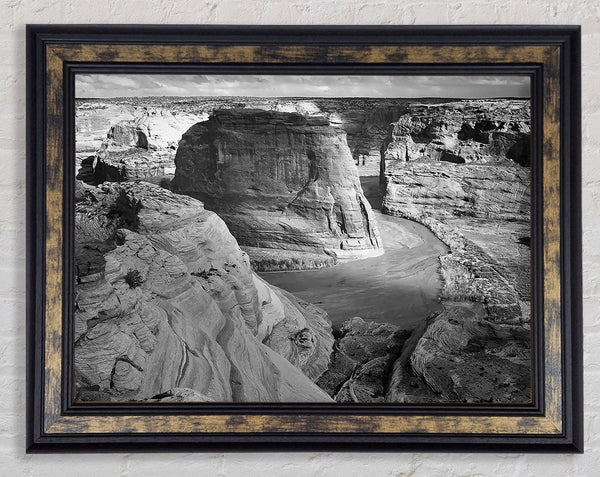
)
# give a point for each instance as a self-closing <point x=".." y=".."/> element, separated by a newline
<point x="283" y="238"/>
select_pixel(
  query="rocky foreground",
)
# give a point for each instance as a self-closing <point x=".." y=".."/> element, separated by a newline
<point x="166" y="300"/>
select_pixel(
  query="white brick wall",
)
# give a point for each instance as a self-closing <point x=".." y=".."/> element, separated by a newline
<point x="14" y="14"/>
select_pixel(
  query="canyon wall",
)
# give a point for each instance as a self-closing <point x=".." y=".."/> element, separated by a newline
<point x="284" y="177"/>
<point x="462" y="169"/>
<point x="162" y="118"/>
<point x="281" y="181"/>
<point x="168" y="308"/>
<point x="141" y="145"/>
<point x="365" y="120"/>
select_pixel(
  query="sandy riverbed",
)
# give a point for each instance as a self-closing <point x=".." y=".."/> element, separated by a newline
<point x="400" y="287"/>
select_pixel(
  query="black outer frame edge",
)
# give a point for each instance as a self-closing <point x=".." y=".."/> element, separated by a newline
<point x="576" y="244"/>
<point x="30" y="211"/>
<point x="71" y="408"/>
<point x="537" y="236"/>
<point x="37" y="442"/>
<point x="313" y="34"/>
<point x="35" y="233"/>
<point x="571" y="238"/>
<point x="301" y="442"/>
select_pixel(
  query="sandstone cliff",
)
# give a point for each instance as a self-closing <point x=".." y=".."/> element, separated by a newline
<point x="140" y="147"/>
<point x="166" y="300"/>
<point x="365" y="120"/>
<point x="162" y="119"/>
<point x="464" y="131"/>
<point x="281" y="181"/>
<point x="472" y="191"/>
<point x="462" y="169"/>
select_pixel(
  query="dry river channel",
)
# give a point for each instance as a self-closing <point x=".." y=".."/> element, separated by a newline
<point x="401" y="287"/>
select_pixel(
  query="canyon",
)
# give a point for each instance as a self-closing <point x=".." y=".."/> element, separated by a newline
<point x="365" y="121"/>
<point x="403" y="223"/>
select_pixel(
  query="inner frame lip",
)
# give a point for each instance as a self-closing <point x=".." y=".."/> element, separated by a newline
<point x="534" y="408"/>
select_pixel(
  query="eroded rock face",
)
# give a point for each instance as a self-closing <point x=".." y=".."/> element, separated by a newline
<point x="467" y="131"/>
<point x="93" y="119"/>
<point x="137" y="148"/>
<point x="281" y="181"/>
<point x="162" y="119"/>
<point x="458" y="191"/>
<point x="455" y="168"/>
<point x="463" y="358"/>
<point x="362" y="361"/>
<point x="464" y="173"/>
<point x="365" y="120"/>
<point x="166" y="299"/>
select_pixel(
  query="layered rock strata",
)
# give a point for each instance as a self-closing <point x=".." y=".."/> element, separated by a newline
<point x="365" y="120"/>
<point x="466" y="176"/>
<point x="167" y="306"/>
<point x="281" y="181"/>
<point x="461" y="132"/>
<point x="473" y="191"/>
<point x="138" y="148"/>
<point x="162" y="119"/>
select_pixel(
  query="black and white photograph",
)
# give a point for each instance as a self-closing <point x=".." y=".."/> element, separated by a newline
<point x="302" y="238"/>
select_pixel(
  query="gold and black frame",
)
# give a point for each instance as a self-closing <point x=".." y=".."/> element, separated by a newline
<point x="549" y="55"/>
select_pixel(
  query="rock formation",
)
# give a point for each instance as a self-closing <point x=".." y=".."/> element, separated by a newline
<point x="362" y="360"/>
<point x="472" y="191"/>
<point x="166" y="300"/>
<point x="138" y="148"/>
<point x="162" y="119"/>
<point x="281" y="181"/>
<point x="458" y="356"/>
<point x="365" y="120"/>
<point x="462" y="169"/>
<point x="93" y="119"/>
<point x="453" y="356"/>
<point x="168" y="308"/>
<point x="467" y="131"/>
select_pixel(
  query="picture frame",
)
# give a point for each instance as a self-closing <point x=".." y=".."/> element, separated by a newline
<point x="549" y="55"/>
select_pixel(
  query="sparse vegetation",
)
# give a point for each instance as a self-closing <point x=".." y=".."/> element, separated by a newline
<point x="134" y="278"/>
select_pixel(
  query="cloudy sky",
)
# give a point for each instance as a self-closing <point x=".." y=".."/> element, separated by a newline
<point x="113" y="85"/>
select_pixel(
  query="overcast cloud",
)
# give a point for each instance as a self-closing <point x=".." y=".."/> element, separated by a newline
<point x="112" y="85"/>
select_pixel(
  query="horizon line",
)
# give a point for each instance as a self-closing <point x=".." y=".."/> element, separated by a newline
<point x="303" y="97"/>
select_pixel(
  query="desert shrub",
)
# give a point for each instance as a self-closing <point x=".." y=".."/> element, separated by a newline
<point x="133" y="278"/>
